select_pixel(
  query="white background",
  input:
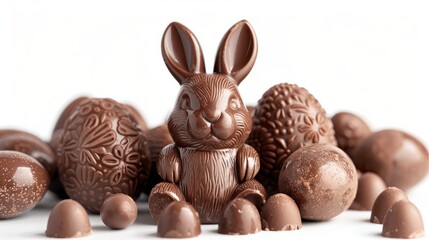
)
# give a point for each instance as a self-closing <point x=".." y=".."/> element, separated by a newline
<point x="367" y="57"/>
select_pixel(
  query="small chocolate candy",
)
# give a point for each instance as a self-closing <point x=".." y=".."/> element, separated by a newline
<point x="384" y="201"/>
<point x="240" y="217"/>
<point x="136" y="115"/>
<point x="350" y="130"/>
<point x="157" y="139"/>
<point x="286" y="118"/>
<point x="370" y="185"/>
<point x="102" y="152"/>
<point x="280" y="213"/>
<point x="179" y="220"/>
<point x="118" y="211"/>
<point x="24" y="181"/>
<point x="68" y="219"/>
<point x="397" y="157"/>
<point x="321" y="179"/>
<point x="33" y="147"/>
<point x="403" y="220"/>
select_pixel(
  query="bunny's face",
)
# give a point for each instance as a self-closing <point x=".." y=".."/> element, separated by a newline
<point x="209" y="114"/>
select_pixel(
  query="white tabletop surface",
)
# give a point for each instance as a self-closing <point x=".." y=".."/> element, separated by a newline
<point x="369" y="57"/>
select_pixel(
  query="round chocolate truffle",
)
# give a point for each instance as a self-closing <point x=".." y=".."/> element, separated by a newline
<point x="24" y="181"/>
<point x="286" y="118"/>
<point x="239" y="217"/>
<point x="68" y="219"/>
<point x="280" y="213"/>
<point x="370" y="185"/>
<point x="397" y="157"/>
<point x="384" y="201"/>
<point x="102" y="152"/>
<point x="179" y="220"/>
<point x="350" y="130"/>
<point x="403" y="220"/>
<point x="157" y="139"/>
<point x="321" y="179"/>
<point x="118" y="211"/>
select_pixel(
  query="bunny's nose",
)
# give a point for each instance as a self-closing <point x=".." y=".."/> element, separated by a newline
<point x="212" y="116"/>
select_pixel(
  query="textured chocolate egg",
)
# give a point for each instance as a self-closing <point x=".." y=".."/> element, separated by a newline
<point x="23" y="183"/>
<point x="350" y="130"/>
<point x="33" y="147"/>
<point x="321" y="179"/>
<point x="286" y="118"/>
<point x="102" y="152"/>
<point x="397" y="157"/>
<point x="68" y="219"/>
<point x="157" y="139"/>
<point x="137" y="116"/>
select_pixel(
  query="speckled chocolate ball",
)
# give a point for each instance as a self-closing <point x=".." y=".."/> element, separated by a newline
<point x="397" y="157"/>
<point x="24" y="181"/>
<point x="321" y="179"/>
<point x="286" y="118"/>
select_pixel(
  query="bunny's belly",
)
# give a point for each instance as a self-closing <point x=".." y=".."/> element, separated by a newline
<point x="208" y="180"/>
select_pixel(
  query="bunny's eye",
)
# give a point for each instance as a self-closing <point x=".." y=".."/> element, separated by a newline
<point x="185" y="103"/>
<point x="234" y="104"/>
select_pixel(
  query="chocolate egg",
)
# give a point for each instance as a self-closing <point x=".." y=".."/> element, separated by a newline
<point x="102" y="152"/>
<point x="286" y="118"/>
<point x="403" y="220"/>
<point x="118" y="211"/>
<point x="157" y="139"/>
<point x="370" y="185"/>
<point x="280" y="213"/>
<point x="350" y="130"/>
<point x="397" y="157"/>
<point x="23" y="183"/>
<point x="239" y="217"/>
<point x="321" y="179"/>
<point x="33" y="147"/>
<point x="179" y="220"/>
<point x="136" y="115"/>
<point x="384" y="201"/>
<point x="68" y="219"/>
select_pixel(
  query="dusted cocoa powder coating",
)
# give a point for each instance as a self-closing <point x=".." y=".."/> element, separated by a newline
<point x="397" y="157"/>
<point x="23" y="181"/>
<point x="370" y="185"/>
<point x="240" y="217"/>
<point x="102" y="152"/>
<point x="280" y="213"/>
<point x="321" y="179"/>
<point x="384" y="201"/>
<point x="157" y="139"/>
<point x="68" y="219"/>
<point x="350" y="130"/>
<point x="118" y="211"/>
<point x="208" y="164"/>
<point x="179" y="220"/>
<point x="286" y="118"/>
<point x="403" y="220"/>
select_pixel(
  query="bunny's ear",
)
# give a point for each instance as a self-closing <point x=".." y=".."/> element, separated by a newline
<point x="237" y="52"/>
<point x="182" y="52"/>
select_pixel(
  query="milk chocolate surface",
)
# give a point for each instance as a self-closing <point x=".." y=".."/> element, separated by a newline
<point x="240" y="217"/>
<point x="384" y="201"/>
<point x="179" y="220"/>
<point x="118" y="211"/>
<point x="403" y="220"/>
<point x="280" y="213"/>
<point x="370" y="185"/>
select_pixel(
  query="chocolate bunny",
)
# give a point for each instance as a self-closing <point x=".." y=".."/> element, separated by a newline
<point x="208" y="164"/>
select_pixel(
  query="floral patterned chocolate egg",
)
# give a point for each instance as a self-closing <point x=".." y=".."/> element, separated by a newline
<point x="286" y="118"/>
<point x="102" y="152"/>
